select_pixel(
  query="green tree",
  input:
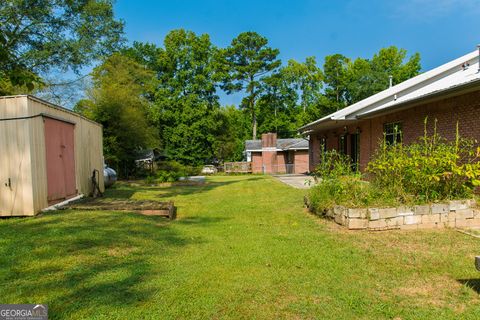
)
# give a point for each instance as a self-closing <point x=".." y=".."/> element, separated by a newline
<point x="230" y="142"/>
<point x="186" y="104"/>
<point x="336" y="72"/>
<point x="38" y="35"/>
<point x="367" y="77"/>
<point x="116" y="101"/>
<point x="244" y="64"/>
<point x="278" y="105"/>
<point x="306" y="78"/>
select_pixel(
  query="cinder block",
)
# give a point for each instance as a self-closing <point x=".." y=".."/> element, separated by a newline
<point x="456" y="205"/>
<point x="461" y="223"/>
<point x="476" y="213"/>
<point x="340" y="219"/>
<point x="430" y="225"/>
<point x="475" y="222"/>
<point x="357" y="223"/>
<point x="444" y="217"/>
<point x="412" y="220"/>
<point x="428" y="218"/>
<point x="377" y="224"/>
<point x="472" y="203"/>
<point x="440" y="208"/>
<point x="339" y="210"/>
<point x="394" y="222"/>
<point x="424" y="209"/>
<point x="449" y="224"/>
<point x="464" y="214"/>
<point x="357" y="213"/>
<point x="386" y="213"/>
<point x="373" y="214"/>
<point x="330" y="213"/>
<point x="404" y="211"/>
<point x="409" y="227"/>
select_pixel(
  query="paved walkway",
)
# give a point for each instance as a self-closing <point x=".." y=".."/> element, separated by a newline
<point x="299" y="181"/>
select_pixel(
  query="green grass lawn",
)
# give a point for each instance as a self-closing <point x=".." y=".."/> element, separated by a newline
<point x="242" y="247"/>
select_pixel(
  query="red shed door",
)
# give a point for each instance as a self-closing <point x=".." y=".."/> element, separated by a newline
<point x="60" y="151"/>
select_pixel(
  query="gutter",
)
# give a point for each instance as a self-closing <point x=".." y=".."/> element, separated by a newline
<point x="314" y="123"/>
<point x="458" y="88"/>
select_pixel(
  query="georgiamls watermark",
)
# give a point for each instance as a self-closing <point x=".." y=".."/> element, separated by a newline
<point x="23" y="312"/>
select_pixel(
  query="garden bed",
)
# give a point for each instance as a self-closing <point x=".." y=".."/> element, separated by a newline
<point x="146" y="207"/>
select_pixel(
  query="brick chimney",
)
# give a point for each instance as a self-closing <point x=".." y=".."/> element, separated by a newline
<point x="269" y="140"/>
<point x="269" y="152"/>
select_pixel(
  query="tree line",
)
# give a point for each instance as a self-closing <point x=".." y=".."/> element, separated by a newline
<point x="167" y="97"/>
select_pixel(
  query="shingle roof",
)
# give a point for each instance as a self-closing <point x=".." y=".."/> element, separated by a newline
<point x="445" y="77"/>
<point x="282" y="144"/>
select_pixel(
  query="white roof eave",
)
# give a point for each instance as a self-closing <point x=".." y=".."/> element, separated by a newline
<point x="386" y="95"/>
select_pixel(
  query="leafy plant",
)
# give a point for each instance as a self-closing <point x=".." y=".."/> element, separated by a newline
<point x="430" y="169"/>
<point x="333" y="164"/>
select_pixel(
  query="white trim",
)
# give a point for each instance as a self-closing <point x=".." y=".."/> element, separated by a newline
<point x="451" y="73"/>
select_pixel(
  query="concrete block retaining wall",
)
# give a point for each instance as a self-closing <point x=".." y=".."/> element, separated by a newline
<point x="454" y="214"/>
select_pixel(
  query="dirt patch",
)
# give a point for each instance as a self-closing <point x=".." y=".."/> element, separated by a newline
<point x="435" y="291"/>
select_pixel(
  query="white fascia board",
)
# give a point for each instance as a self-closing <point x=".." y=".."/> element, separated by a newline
<point x="387" y="95"/>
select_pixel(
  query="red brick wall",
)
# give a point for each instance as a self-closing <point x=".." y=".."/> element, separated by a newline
<point x="257" y="162"/>
<point x="275" y="162"/>
<point x="301" y="161"/>
<point x="464" y="109"/>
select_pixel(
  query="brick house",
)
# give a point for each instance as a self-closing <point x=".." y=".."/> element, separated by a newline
<point x="272" y="155"/>
<point x="449" y="93"/>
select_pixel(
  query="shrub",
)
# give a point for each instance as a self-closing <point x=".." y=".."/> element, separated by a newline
<point x="333" y="165"/>
<point x="171" y="171"/>
<point x="427" y="170"/>
<point x="350" y="191"/>
<point x="340" y="185"/>
<point x="430" y="169"/>
<point x="182" y="170"/>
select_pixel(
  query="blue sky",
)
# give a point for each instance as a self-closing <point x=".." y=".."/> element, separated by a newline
<point x="440" y="30"/>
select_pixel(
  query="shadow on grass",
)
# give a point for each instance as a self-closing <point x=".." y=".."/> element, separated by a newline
<point x="201" y="220"/>
<point x="78" y="261"/>
<point x="126" y="192"/>
<point x="473" y="284"/>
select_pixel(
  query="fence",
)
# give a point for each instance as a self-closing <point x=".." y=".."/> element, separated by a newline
<point x="237" y="167"/>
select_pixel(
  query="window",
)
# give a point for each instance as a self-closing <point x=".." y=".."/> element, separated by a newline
<point x="393" y="132"/>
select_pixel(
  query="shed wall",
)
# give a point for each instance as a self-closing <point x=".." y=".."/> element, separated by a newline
<point x="23" y="157"/>
<point x="16" y="189"/>
<point x="88" y="151"/>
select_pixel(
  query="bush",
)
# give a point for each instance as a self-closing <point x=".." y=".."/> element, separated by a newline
<point x="333" y="165"/>
<point x="171" y="171"/>
<point x="430" y="169"/>
<point x="340" y="185"/>
<point x="350" y="191"/>
<point x="182" y="170"/>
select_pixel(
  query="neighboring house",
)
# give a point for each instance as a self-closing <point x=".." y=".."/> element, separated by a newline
<point x="272" y="155"/>
<point x="48" y="154"/>
<point x="449" y="93"/>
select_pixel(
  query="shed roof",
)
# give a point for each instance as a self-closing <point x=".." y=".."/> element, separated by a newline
<point x="282" y="144"/>
<point x="51" y="105"/>
<point x="449" y="76"/>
